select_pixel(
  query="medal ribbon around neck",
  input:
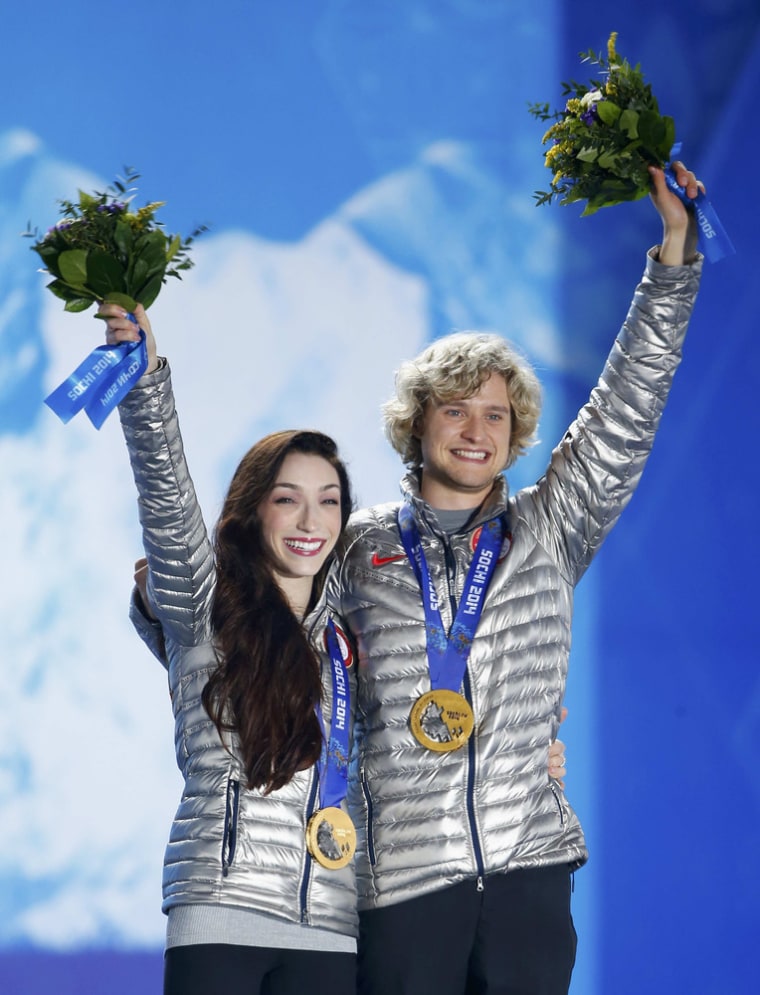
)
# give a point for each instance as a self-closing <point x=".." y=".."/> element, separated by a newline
<point x="447" y="656"/>
<point x="332" y="766"/>
<point x="330" y="834"/>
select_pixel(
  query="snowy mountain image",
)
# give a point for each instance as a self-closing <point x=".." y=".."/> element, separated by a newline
<point x="260" y="335"/>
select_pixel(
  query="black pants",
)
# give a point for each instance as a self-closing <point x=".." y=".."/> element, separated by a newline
<point x="224" y="969"/>
<point x="516" y="937"/>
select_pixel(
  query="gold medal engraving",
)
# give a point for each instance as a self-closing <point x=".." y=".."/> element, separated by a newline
<point x="331" y="838"/>
<point x="442" y="720"/>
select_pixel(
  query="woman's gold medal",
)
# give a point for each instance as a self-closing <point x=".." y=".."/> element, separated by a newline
<point x="331" y="838"/>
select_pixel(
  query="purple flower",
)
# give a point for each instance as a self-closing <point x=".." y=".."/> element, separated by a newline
<point x="589" y="116"/>
<point x="114" y="208"/>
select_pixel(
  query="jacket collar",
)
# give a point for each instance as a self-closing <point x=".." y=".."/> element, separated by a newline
<point x="493" y="506"/>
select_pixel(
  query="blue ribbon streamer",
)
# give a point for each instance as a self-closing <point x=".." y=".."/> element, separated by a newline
<point x="332" y="766"/>
<point x="447" y="656"/>
<point x="713" y="238"/>
<point x="101" y="381"/>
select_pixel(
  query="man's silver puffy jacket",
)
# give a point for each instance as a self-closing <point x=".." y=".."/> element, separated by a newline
<point x="228" y="845"/>
<point x="428" y="820"/>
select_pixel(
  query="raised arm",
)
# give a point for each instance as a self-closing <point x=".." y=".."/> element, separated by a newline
<point x="595" y="469"/>
<point x="181" y="574"/>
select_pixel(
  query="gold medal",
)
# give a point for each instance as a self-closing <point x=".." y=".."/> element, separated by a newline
<point x="331" y="838"/>
<point x="442" y="720"/>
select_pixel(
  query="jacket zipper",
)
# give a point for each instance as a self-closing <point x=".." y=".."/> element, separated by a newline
<point x="232" y="804"/>
<point x="471" y="792"/>
<point x="368" y="803"/>
<point x="304" y="890"/>
<point x="477" y="850"/>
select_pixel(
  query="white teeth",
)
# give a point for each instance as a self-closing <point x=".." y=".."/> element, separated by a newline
<point x="478" y="455"/>
<point x="305" y="545"/>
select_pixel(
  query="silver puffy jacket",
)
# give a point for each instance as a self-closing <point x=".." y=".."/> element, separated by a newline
<point x="428" y="820"/>
<point x="228" y="845"/>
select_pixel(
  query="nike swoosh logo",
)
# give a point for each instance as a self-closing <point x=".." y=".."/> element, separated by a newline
<point x="380" y="561"/>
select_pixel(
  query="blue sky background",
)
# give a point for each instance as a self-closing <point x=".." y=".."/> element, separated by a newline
<point x="367" y="170"/>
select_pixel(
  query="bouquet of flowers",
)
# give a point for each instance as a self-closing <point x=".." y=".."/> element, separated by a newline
<point x="102" y="250"/>
<point x="606" y="136"/>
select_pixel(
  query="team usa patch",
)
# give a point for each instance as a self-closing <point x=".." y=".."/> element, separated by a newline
<point x="343" y="645"/>
<point x="506" y="544"/>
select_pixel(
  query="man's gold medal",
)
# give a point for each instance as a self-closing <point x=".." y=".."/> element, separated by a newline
<point x="442" y="720"/>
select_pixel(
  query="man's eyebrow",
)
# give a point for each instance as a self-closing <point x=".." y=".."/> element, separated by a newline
<point x="464" y="400"/>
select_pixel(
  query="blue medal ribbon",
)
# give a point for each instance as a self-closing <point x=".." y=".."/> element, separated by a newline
<point x="713" y="238"/>
<point x="101" y="381"/>
<point x="447" y="656"/>
<point x="332" y="766"/>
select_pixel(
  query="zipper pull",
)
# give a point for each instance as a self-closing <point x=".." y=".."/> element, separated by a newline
<point x="481" y="886"/>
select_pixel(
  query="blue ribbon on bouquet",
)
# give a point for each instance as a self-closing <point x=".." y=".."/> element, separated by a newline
<point x="101" y="381"/>
<point x="713" y="238"/>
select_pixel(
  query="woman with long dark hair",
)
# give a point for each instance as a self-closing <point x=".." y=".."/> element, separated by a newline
<point x="258" y="875"/>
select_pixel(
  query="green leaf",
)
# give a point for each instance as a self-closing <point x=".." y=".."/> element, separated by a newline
<point x="62" y="290"/>
<point x="149" y="292"/>
<point x="155" y="250"/>
<point x="629" y="123"/>
<point x="77" y="304"/>
<point x="122" y="236"/>
<point x="590" y="208"/>
<point x="104" y="273"/>
<point x="123" y="300"/>
<point x="138" y="274"/>
<point x="651" y="130"/>
<point x="49" y="256"/>
<point x="607" y="111"/>
<point x="572" y="195"/>
<point x="73" y="266"/>
<point x="173" y="249"/>
<point x="587" y="154"/>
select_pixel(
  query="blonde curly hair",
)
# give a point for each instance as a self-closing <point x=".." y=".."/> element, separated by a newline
<point x="455" y="367"/>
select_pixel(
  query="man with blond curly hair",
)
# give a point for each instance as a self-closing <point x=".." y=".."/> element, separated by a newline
<point x="460" y="599"/>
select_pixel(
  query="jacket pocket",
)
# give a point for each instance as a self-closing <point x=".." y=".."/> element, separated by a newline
<point x="231" y="809"/>
<point x="368" y="806"/>
<point x="559" y="803"/>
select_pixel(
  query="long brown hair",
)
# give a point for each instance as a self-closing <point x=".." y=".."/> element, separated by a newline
<point x="267" y="684"/>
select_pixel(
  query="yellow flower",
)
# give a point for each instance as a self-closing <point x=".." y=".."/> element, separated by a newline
<point x="612" y="55"/>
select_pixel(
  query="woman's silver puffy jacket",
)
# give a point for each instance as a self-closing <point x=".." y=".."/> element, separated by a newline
<point x="427" y="820"/>
<point x="228" y="845"/>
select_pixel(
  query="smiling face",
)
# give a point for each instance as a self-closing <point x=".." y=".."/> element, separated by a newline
<point x="465" y="445"/>
<point x="300" y="521"/>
